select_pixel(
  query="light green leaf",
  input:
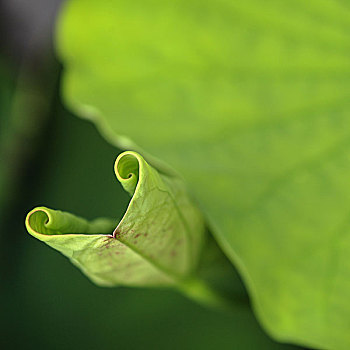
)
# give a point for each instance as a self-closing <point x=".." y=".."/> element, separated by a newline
<point x="250" y="102"/>
<point x="157" y="242"/>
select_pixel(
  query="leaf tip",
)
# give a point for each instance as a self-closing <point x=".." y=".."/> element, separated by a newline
<point x="127" y="168"/>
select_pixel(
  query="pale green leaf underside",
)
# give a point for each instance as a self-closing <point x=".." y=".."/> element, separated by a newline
<point x="157" y="242"/>
<point x="250" y="101"/>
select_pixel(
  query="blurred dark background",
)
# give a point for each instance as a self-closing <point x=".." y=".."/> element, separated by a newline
<point x="50" y="157"/>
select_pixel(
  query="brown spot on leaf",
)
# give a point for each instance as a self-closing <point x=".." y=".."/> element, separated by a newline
<point x="179" y="242"/>
<point x="117" y="233"/>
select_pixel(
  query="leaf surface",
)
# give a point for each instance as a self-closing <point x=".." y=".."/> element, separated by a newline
<point x="250" y="102"/>
<point x="156" y="243"/>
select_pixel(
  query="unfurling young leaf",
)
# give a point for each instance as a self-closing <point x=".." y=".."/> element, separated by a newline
<point x="157" y="242"/>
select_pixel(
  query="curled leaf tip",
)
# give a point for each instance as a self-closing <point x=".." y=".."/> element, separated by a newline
<point x="37" y="221"/>
<point x="42" y="222"/>
<point x="127" y="167"/>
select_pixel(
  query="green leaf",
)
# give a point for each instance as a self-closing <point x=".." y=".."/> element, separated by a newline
<point x="157" y="242"/>
<point x="249" y="101"/>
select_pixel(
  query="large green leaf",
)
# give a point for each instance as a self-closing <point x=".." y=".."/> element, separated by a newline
<point x="250" y="102"/>
<point x="157" y="242"/>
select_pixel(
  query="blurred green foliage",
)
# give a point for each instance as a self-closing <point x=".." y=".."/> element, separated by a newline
<point x="6" y="92"/>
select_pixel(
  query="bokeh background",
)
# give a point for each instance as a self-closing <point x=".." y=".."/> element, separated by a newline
<point x="50" y="157"/>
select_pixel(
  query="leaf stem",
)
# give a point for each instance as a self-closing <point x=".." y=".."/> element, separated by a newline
<point x="202" y="293"/>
